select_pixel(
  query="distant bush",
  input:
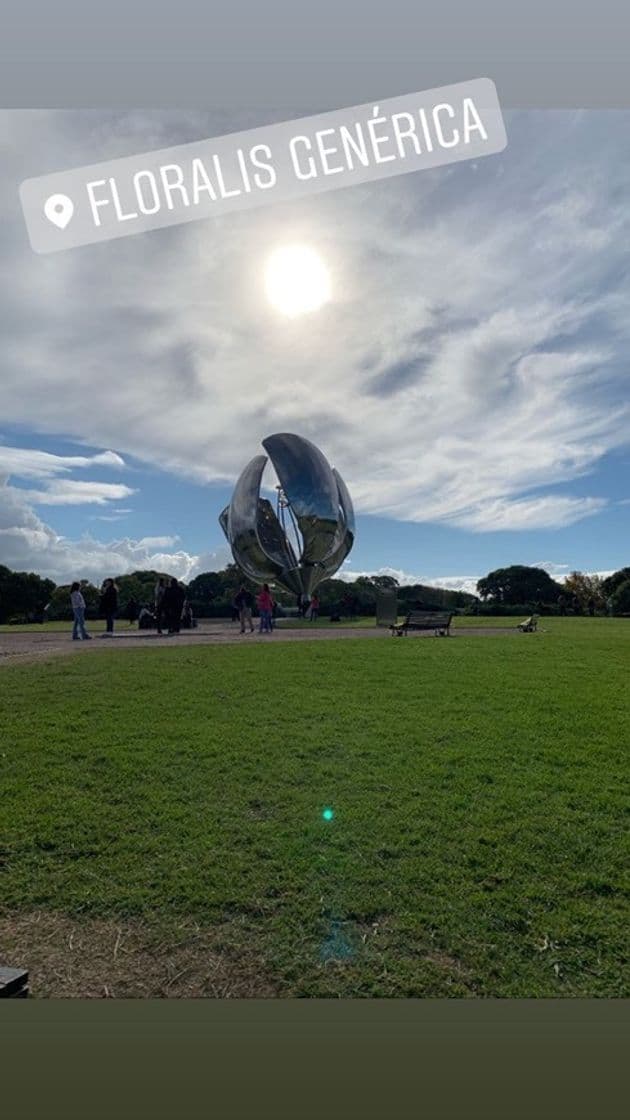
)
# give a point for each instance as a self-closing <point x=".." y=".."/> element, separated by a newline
<point x="511" y="610"/>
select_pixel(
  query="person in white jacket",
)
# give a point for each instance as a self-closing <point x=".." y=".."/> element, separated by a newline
<point x="78" y="610"/>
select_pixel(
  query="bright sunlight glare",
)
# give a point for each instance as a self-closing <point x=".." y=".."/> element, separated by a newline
<point x="296" y="280"/>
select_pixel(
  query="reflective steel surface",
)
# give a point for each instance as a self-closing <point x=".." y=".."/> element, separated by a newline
<point x="316" y="500"/>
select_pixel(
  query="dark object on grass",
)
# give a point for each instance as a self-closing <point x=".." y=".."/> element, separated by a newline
<point x="335" y="618"/>
<point x="188" y="621"/>
<point x="13" y="983"/>
<point x="440" y="622"/>
<point x="147" y="620"/>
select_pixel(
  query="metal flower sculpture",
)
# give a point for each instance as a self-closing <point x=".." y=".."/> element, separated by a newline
<point x="309" y="534"/>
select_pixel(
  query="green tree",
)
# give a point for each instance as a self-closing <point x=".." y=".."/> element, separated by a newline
<point x="384" y="582"/>
<point x="139" y="585"/>
<point x="611" y="583"/>
<point x="211" y="593"/>
<point x="585" y="587"/>
<point x="519" y="584"/>
<point x="621" y="598"/>
<point x="23" y="595"/>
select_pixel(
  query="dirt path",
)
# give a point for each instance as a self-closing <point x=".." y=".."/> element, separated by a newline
<point x="34" y="646"/>
<point x="17" y="648"/>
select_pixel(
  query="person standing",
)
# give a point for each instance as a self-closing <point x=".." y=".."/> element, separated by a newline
<point x="264" y="603"/>
<point x="158" y="596"/>
<point x="173" y="605"/>
<point x="187" y="616"/>
<point x="244" y="601"/>
<point x="132" y="611"/>
<point x="78" y="610"/>
<point x="109" y="606"/>
<point x="314" y="606"/>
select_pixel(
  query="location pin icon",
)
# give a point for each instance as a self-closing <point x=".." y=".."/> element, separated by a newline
<point x="59" y="209"/>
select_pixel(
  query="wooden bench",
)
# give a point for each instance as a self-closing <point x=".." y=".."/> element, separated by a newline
<point x="438" y="621"/>
<point x="529" y="625"/>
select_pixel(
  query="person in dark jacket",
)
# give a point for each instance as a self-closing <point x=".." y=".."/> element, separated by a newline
<point x="173" y="603"/>
<point x="244" y="600"/>
<point x="133" y="611"/>
<point x="109" y="606"/>
<point x="158" y="597"/>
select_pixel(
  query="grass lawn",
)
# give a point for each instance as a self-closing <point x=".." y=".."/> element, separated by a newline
<point x="477" y="786"/>
<point x="92" y="624"/>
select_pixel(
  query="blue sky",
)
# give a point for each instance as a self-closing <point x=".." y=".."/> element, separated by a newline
<point x="468" y="376"/>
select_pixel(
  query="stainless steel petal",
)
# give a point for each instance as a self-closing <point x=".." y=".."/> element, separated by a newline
<point x="330" y="565"/>
<point x="272" y="537"/>
<point x="345" y="501"/>
<point x="311" y="490"/>
<point x="242" y="524"/>
<point x="223" y="521"/>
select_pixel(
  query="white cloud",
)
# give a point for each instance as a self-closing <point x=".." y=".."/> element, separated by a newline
<point x="471" y="361"/>
<point x="28" y="544"/>
<point x="406" y="579"/>
<point x="550" y="512"/>
<point x="68" y="492"/>
<point x="30" y="463"/>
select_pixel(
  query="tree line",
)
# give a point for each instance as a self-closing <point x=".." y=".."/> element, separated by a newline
<point x="27" y="597"/>
<point x="512" y="589"/>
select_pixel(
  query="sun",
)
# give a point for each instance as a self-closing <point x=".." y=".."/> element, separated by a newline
<point x="296" y="280"/>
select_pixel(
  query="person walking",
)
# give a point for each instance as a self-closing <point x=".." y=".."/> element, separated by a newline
<point x="244" y="600"/>
<point x="78" y="610"/>
<point x="264" y="602"/>
<point x="314" y="606"/>
<point x="132" y="611"/>
<point x="109" y="606"/>
<point x="158" y="596"/>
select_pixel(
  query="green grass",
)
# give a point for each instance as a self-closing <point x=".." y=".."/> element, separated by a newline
<point x="96" y="625"/>
<point x="477" y="787"/>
